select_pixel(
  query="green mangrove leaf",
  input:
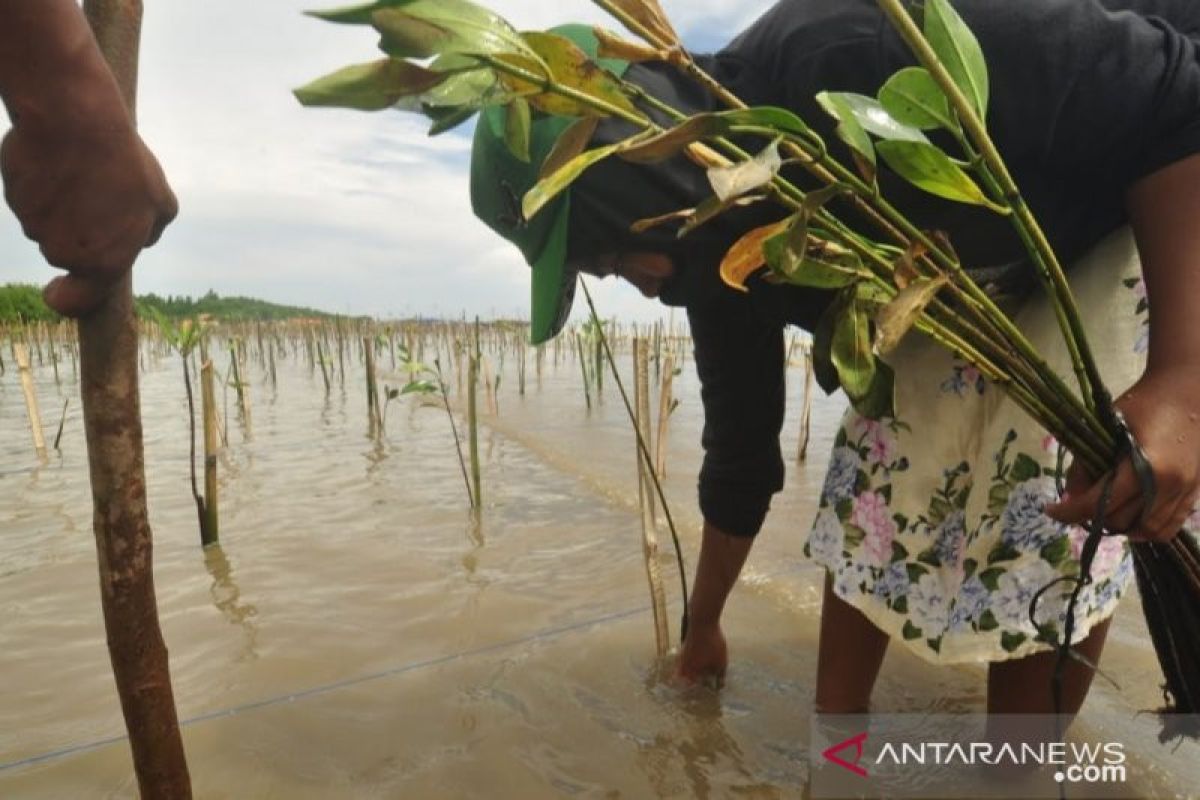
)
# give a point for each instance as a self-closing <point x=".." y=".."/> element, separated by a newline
<point x="793" y="260"/>
<point x="912" y="97"/>
<point x="780" y="120"/>
<point x="875" y="119"/>
<point x="734" y="181"/>
<point x="422" y="28"/>
<point x="569" y="66"/>
<point x="898" y="316"/>
<point x="517" y="127"/>
<point x="553" y="184"/>
<point x="447" y="118"/>
<point x="613" y="46"/>
<point x="958" y="49"/>
<point x="880" y="398"/>
<point x="928" y="168"/>
<point x="369" y="87"/>
<point x="675" y="140"/>
<point x="823" y="369"/>
<point x="871" y="296"/>
<point x="571" y="142"/>
<point x="851" y="351"/>
<point x="357" y="14"/>
<point x="746" y="255"/>
<point x="419" y="387"/>
<point x="851" y="131"/>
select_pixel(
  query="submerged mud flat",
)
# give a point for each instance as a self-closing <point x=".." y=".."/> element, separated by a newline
<point x="358" y="634"/>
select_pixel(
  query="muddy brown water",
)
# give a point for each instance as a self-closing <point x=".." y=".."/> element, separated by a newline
<point x="358" y="635"/>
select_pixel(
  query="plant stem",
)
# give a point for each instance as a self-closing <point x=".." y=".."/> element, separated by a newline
<point x="1031" y="233"/>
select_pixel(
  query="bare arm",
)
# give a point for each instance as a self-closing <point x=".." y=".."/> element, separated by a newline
<point x="79" y="179"/>
<point x="1163" y="407"/>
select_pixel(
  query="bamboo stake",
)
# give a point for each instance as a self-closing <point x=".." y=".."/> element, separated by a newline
<point x="473" y="421"/>
<point x="658" y="595"/>
<point x="21" y="355"/>
<point x="666" y="404"/>
<point x="111" y="410"/>
<point x="209" y="526"/>
<point x="375" y="419"/>
<point x="324" y="371"/>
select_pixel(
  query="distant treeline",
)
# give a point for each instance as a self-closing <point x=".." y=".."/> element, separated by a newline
<point x="23" y="303"/>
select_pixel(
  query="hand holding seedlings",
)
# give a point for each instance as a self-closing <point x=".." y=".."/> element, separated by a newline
<point x="76" y="174"/>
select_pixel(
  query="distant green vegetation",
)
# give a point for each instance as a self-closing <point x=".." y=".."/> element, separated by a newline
<point x="223" y="308"/>
<point x="23" y="303"/>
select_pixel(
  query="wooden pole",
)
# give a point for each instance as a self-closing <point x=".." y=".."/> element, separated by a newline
<point x="108" y="353"/>
<point x="666" y="404"/>
<point x="21" y="355"/>
<point x="658" y="594"/>
<point x="209" y="525"/>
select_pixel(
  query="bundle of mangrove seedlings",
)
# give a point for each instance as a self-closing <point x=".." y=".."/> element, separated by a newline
<point x="448" y="59"/>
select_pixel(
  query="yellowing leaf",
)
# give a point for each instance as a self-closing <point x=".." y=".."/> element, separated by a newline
<point x="571" y="142"/>
<point x="517" y="127"/>
<point x="369" y="87"/>
<point x="569" y="66"/>
<point x="550" y="186"/>
<point x="746" y="255"/>
<point x="898" y="316"/>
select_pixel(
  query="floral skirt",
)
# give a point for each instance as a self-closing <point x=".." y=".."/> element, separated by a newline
<point x="930" y="523"/>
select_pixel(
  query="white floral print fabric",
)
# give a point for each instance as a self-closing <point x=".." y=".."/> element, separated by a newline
<point x="930" y="523"/>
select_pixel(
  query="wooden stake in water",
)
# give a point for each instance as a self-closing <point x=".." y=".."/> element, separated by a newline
<point x="473" y="421"/>
<point x="658" y="595"/>
<point x="666" y="404"/>
<point x="324" y="370"/>
<point x="208" y="404"/>
<point x="374" y="413"/>
<point x="21" y="354"/>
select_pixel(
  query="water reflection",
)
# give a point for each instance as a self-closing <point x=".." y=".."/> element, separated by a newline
<point x="700" y="746"/>
<point x="226" y="595"/>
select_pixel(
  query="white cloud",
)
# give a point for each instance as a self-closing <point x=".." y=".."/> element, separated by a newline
<point x="341" y="210"/>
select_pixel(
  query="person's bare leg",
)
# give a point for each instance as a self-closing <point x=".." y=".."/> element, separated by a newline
<point x="850" y="652"/>
<point x="1022" y="685"/>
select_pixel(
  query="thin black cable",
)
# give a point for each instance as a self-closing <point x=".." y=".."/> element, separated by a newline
<point x="645" y="453"/>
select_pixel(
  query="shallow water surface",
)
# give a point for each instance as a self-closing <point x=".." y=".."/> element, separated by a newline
<point x="357" y="634"/>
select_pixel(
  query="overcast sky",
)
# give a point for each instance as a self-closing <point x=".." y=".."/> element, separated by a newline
<point x="344" y="211"/>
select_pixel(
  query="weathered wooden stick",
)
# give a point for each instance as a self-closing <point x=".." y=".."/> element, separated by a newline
<point x="209" y="524"/>
<point x="658" y="595"/>
<point x="108" y="352"/>
<point x="473" y="421"/>
<point x="21" y="355"/>
<point x="666" y="404"/>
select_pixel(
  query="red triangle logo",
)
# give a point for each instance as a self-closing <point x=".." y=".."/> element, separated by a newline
<point x="857" y="742"/>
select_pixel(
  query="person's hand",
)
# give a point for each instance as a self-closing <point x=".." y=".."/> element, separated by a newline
<point x="86" y="188"/>
<point x="703" y="656"/>
<point x="1163" y="411"/>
